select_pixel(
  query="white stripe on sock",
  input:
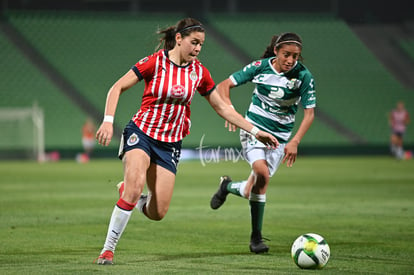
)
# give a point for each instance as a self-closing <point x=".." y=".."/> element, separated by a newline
<point x="257" y="197"/>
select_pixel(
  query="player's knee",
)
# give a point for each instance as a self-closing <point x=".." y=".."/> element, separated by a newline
<point x="158" y="215"/>
<point x="157" y="218"/>
<point x="262" y="177"/>
<point x="131" y="194"/>
<point x="261" y="172"/>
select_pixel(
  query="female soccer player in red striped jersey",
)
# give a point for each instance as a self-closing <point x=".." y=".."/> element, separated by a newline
<point x="398" y="120"/>
<point x="151" y="143"/>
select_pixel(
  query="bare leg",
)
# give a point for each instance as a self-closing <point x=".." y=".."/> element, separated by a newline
<point x="136" y="163"/>
<point x="160" y="190"/>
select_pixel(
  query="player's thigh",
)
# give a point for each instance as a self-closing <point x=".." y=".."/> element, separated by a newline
<point x="160" y="183"/>
<point x="260" y="167"/>
<point x="136" y="163"/>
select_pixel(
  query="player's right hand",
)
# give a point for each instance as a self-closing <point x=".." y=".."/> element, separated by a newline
<point x="267" y="139"/>
<point x="104" y="133"/>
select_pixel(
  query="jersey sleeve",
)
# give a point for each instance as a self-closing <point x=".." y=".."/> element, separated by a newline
<point x="308" y="94"/>
<point x="247" y="73"/>
<point x="207" y="84"/>
<point x="145" y="67"/>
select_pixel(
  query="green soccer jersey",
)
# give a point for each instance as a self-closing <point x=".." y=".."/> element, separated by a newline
<point x="276" y="95"/>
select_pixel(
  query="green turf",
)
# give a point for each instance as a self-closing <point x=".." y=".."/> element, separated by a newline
<point x="54" y="218"/>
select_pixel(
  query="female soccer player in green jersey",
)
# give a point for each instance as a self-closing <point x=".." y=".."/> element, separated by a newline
<point x="281" y="83"/>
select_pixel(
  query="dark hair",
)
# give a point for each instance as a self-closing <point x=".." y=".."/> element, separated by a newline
<point x="185" y="26"/>
<point x="279" y="40"/>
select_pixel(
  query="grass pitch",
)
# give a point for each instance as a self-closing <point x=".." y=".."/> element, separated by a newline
<point x="54" y="218"/>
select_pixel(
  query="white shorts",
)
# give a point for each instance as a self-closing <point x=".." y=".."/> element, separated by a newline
<point x="255" y="150"/>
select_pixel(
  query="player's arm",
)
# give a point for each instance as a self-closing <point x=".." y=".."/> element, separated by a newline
<point x="225" y="111"/>
<point x="224" y="90"/>
<point x="105" y="131"/>
<point x="291" y="148"/>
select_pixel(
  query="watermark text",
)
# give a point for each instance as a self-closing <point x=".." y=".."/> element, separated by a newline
<point x="214" y="155"/>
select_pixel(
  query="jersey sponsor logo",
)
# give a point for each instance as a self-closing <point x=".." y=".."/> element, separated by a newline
<point x="276" y="92"/>
<point x="133" y="139"/>
<point x="193" y="76"/>
<point x="177" y="91"/>
<point x="142" y="61"/>
<point x="277" y="111"/>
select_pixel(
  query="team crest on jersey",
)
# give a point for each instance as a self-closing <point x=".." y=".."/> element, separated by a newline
<point x="133" y="139"/>
<point x="293" y="84"/>
<point x="177" y="91"/>
<point x="145" y="59"/>
<point x="193" y="76"/>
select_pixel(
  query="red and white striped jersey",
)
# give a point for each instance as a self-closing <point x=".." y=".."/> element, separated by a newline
<point x="399" y="120"/>
<point x="165" y="109"/>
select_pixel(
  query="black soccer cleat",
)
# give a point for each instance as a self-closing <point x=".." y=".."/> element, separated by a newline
<point x="257" y="245"/>
<point x="220" y="196"/>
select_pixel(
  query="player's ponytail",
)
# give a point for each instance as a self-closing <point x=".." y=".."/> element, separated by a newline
<point x="269" y="52"/>
<point x="168" y="38"/>
<point x="184" y="27"/>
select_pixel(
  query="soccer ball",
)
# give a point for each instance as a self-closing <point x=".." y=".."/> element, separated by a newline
<point x="310" y="251"/>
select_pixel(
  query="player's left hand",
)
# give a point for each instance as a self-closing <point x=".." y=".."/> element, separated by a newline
<point x="231" y="127"/>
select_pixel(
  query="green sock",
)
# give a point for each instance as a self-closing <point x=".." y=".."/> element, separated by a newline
<point x="257" y="206"/>
<point x="237" y="188"/>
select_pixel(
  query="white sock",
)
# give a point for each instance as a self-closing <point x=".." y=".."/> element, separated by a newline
<point x="400" y="152"/>
<point x="242" y="186"/>
<point x="237" y="188"/>
<point x="142" y="202"/>
<point x="119" y="221"/>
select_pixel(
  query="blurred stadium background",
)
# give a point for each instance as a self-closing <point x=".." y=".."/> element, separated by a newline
<point x="63" y="56"/>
